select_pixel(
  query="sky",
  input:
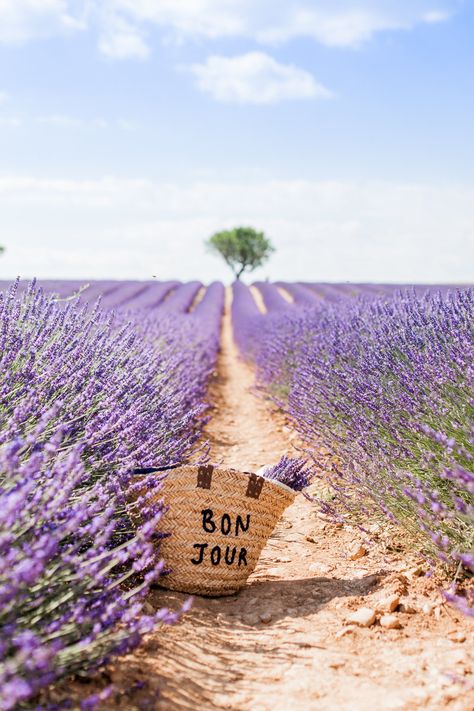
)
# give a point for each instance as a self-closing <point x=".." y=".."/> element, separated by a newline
<point x="131" y="130"/>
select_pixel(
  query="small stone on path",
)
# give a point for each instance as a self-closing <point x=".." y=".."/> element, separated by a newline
<point x="363" y="617"/>
<point x="390" y="622"/>
<point x="375" y="528"/>
<point x="345" y="631"/>
<point x="320" y="568"/>
<point x="407" y="608"/>
<point x="388" y="604"/>
<point x="428" y="608"/>
<point x="358" y="551"/>
<point x="274" y="572"/>
<point x="415" y="572"/>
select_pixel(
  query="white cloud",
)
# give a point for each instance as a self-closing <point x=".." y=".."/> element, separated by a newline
<point x="336" y="23"/>
<point x="121" y="40"/>
<point x="348" y="24"/>
<point x="255" y="78"/>
<point x="121" y="24"/>
<point x="204" y="18"/>
<point x="324" y="231"/>
<point x="23" y="20"/>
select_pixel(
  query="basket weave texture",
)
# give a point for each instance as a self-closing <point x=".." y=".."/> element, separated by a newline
<point x="219" y="520"/>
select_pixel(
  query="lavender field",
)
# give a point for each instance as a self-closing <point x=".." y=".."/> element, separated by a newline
<point x="386" y="382"/>
<point x="104" y="379"/>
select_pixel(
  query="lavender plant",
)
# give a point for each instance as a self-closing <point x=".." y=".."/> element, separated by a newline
<point x="125" y="391"/>
<point x="182" y="298"/>
<point x="301" y="295"/>
<point x="152" y="296"/>
<point x="271" y="296"/>
<point x="121" y="296"/>
<point x="293" y="473"/>
<point x="386" y="384"/>
<point x="208" y="316"/>
<point x="69" y="593"/>
<point x="245" y="318"/>
<point x="84" y="400"/>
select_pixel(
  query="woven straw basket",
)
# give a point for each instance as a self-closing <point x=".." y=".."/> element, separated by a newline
<point x="219" y="520"/>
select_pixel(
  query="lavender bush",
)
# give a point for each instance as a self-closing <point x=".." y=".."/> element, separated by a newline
<point x="182" y="298"/>
<point x="294" y="473"/>
<point x="246" y="317"/>
<point x="386" y="384"/>
<point x="271" y="296"/>
<point x="301" y="295"/>
<point x="66" y="555"/>
<point x="208" y="316"/>
<point x="125" y="391"/>
<point x="116" y="298"/>
<point x="154" y="294"/>
<point x="84" y="400"/>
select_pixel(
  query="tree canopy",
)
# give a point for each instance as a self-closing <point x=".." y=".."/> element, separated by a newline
<point x="243" y="248"/>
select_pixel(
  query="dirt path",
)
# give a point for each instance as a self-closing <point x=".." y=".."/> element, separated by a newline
<point x="283" y="641"/>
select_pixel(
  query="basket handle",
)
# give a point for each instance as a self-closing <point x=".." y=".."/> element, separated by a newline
<point x="204" y="476"/>
<point x="255" y="485"/>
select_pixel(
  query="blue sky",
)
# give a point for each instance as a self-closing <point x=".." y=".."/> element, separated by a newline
<point x="131" y="130"/>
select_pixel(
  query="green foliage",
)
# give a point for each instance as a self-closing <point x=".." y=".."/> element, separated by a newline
<point x="242" y="248"/>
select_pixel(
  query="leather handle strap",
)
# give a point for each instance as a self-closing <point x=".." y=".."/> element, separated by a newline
<point x="255" y="486"/>
<point x="204" y="476"/>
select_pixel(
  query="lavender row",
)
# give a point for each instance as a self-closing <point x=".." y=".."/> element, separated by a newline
<point x="153" y="296"/>
<point x="302" y="294"/>
<point x="271" y="296"/>
<point x="245" y="318"/>
<point x="172" y="296"/>
<point x="85" y="400"/>
<point x="387" y="384"/>
<point x="182" y="299"/>
<point x="208" y="314"/>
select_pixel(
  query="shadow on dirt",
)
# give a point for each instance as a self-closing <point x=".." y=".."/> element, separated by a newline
<point x="194" y="667"/>
<point x="282" y="598"/>
<point x="191" y="665"/>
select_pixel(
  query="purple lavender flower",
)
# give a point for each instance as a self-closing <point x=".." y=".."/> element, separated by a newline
<point x="294" y="473"/>
<point x="85" y="399"/>
<point x="385" y="382"/>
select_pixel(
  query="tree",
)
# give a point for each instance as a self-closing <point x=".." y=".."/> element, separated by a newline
<point x="242" y="248"/>
<point x="2" y="249"/>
